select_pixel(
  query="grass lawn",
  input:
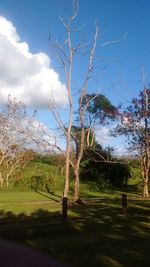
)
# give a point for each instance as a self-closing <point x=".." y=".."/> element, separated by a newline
<point x="97" y="234"/>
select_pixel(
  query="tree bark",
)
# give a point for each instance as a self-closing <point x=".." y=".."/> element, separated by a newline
<point x="66" y="182"/>
<point x="7" y="181"/>
<point x="76" y="197"/>
<point x="145" y="174"/>
<point x="146" y="154"/>
<point x="145" y="188"/>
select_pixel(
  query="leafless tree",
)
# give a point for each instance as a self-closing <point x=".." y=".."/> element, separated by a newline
<point x="66" y="52"/>
<point x="16" y="139"/>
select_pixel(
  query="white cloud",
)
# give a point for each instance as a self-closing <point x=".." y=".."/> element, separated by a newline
<point x="26" y="76"/>
<point x="105" y="138"/>
<point x="103" y="135"/>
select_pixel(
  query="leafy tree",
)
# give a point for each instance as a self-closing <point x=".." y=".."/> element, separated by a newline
<point x="135" y="125"/>
<point x="97" y="109"/>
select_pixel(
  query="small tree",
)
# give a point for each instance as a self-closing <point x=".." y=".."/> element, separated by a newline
<point x="135" y="125"/>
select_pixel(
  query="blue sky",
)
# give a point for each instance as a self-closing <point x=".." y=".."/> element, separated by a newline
<point x="127" y="21"/>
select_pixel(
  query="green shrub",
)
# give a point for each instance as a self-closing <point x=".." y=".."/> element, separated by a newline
<point x="114" y="175"/>
<point x="101" y="185"/>
<point x="42" y="183"/>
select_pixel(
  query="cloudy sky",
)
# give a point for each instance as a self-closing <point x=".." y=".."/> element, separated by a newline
<point x="23" y="74"/>
<point x="28" y="69"/>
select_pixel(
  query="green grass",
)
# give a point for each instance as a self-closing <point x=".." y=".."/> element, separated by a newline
<point x="28" y="202"/>
<point x="11" y="197"/>
<point x="97" y="234"/>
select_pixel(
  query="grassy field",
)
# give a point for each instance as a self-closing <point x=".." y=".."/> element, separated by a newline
<point x="97" y="234"/>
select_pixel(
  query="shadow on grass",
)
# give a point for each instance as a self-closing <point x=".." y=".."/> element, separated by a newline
<point x="50" y="195"/>
<point x="95" y="235"/>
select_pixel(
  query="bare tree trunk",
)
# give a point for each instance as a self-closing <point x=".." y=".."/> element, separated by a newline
<point x="76" y="197"/>
<point x="145" y="174"/>
<point x="66" y="182"/>
<point x="77" y="166"/>
<point x="145" y="188"/>
<point x="66" y="185"/>
<point x="145" y="166"/>
<point x="7" y="181"/>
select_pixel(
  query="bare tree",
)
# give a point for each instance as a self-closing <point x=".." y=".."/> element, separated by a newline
<point x="16" y="139"/>
<point x="66" y="52"/>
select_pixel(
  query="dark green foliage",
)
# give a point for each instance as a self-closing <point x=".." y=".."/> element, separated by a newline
<point x="100" y="102"/>
<point x="106" y="175"/>
<point x="100" y="108"/>
<point x="98" y="165"/>
<point x="118" y="174"/>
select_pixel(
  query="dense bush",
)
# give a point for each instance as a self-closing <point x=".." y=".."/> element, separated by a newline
<point x="106" y="175"/>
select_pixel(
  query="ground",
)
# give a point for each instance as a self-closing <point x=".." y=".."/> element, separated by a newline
<point x="97" y="234"/>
